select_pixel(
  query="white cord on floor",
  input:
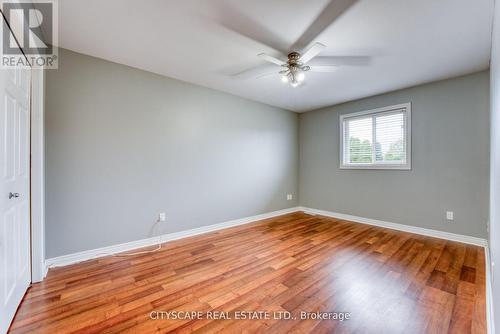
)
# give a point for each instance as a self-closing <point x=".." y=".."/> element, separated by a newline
<point x="131" y="254"/>
<point x="142" y="252"/>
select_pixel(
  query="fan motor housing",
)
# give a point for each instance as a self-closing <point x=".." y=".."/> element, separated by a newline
<point x="293" y="57"/>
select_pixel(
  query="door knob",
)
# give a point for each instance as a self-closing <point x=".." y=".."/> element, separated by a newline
<point x="13" y="195"/>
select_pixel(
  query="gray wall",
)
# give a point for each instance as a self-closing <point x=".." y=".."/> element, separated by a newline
<point x="450" y="160"/>
<point x="123" y="145"/>
<point x="495" y="164"/>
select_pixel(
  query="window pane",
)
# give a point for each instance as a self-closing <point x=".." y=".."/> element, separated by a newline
<point x="390" y="144"/>
<point x="377" y="139"/>
<point x="359" y="141"/>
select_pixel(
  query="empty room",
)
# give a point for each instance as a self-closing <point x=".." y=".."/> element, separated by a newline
<point x="264" y="166"/>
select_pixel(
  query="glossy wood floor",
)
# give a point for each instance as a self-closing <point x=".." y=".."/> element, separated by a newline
<point x="389" y="282"/>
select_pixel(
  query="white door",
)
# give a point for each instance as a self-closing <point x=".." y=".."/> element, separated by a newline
<point x="15" y="267"/>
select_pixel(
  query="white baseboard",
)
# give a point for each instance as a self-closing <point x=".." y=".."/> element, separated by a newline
<point x="400" y="227"/>
<point x="128" y="246"/>
<point x="489" y="293"/>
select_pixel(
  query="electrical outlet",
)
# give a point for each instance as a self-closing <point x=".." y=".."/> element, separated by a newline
<point x="289" y="197"/>
<point x="449" y="215"/>
<point x="162" y="217"/>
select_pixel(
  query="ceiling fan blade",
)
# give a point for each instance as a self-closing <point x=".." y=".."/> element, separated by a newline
<point x="235" y="20"/>
<point x="342" y="61"/>
<point x="330" y="13"/>
<point x="323" y="68"/>
<point x="271" y="59"/>
<point x="264" y="75"/>
<point x="312" y="52"/>
<point x="256" y="72"/>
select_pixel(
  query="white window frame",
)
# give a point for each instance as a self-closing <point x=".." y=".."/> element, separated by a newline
<point x="378" y="111"/>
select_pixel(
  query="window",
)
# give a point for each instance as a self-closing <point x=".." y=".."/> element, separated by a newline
<point x="376" y="139"/>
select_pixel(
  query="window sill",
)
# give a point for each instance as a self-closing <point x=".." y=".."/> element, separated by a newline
<point x="377" y="167"/>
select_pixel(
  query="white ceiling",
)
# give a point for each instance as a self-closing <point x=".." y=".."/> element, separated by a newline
<point x="409" y="41"/>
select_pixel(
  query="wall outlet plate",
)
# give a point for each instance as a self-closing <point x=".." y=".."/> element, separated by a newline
<point x="162" y="217"/>
<point x="289" y="197"/>
<point x="449" y="215"/>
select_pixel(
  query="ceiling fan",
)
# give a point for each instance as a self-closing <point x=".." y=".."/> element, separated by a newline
<point x="293" y="70"/>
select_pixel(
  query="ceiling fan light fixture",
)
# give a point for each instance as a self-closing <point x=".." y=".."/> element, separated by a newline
<point x="293" y="70"/>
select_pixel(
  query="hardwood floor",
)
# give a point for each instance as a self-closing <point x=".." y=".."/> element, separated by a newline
<point x="388" y="282"/>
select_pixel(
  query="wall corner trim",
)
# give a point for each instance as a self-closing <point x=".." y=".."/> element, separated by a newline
<point x="489" y="292"/>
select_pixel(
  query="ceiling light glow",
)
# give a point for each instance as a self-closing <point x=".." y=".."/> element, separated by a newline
<point x="301" y="76"/>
